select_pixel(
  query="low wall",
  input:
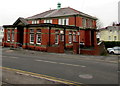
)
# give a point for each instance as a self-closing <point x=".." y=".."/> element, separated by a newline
<point x="94" y="51"/>
<point x="37" y="48"/>
<point x="97" y="50"/>
<point x="53" y="49"/>
<point x="56" y="49"/>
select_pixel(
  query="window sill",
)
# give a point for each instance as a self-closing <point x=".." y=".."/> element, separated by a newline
<point x="38" y="43"/>
<point x="56" y="43"/>
<point x="31" y="42"/>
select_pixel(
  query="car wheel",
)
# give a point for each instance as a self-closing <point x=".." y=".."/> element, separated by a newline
<point x="111" y="52"/>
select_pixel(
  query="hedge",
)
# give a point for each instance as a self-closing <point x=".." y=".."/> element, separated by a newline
<point x="110" y="44"/>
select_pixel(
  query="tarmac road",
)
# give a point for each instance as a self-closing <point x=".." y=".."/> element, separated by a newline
<point x="62" y="66"/>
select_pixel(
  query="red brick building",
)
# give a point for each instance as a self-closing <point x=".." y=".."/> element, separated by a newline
<point x="53" y="31"/>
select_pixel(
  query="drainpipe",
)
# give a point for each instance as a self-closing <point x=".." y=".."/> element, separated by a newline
<point x="64" y="38"/>
<point x="79" y="39"/>
<point x="49" y="35"/>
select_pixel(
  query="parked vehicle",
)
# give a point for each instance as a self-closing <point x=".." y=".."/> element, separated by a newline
<point x="114" y="50"/>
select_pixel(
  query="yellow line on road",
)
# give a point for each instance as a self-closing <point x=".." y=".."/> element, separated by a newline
<point x="43" y="76"/>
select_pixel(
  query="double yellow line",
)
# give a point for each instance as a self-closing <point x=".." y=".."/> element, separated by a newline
<point x="54" y="79"/>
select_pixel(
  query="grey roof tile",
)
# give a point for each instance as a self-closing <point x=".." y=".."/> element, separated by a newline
<point x="61" y="12"/>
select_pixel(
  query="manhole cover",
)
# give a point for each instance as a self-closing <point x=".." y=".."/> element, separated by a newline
<point x="86" y="76"/>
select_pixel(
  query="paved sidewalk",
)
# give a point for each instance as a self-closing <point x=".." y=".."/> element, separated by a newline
<point x="109" y="58"/>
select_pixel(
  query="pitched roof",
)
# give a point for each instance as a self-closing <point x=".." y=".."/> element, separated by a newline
<point x="60" y="12"/>
<point x="22" y="20"/>
<point x="110" y="28"/>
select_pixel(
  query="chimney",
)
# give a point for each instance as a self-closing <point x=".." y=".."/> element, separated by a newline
<point x="58" y="6"/>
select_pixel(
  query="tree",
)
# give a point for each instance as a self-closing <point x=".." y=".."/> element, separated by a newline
<point x="99" y="24"/>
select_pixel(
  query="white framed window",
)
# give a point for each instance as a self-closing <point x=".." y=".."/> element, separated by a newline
<point x="64" y="21"/>
<point x="62" y="37"/>
<point x="32" y="22"/>
<point x="60" y="21"/>
<point x="8" y="35"/>
<point x="48" y="21"/>
<point x="39" y="37"/>
<point x="67" y="21"/>
<point x="35" y="21"/>
<point x="74" y="36"/>
<point x="45" y="21"/>
<point x="83" y="22"/>
<point x="51" y="21"/>
<point x="56" y="37"/>
<point x="70" y="37"/>
<point x="109" y="37"/>
<point x="90" y="23"/>
<point x="115" y="38"/>
<point x="13" y="35"/>
<point x="31" y="36"/>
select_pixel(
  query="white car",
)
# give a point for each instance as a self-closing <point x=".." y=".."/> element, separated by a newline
<point x="114" y="50"/>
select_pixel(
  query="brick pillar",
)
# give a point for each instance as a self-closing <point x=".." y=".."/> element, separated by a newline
<point x="5" y="37"/>
<point x="76" y="47"/>
<point x="95" y="39"/>
<point x="25" y="38"/>
<point x="35" y="36"/>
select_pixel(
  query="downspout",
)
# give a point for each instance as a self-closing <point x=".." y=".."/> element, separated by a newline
<point x="64" y="38"/>
<point x="49" y="36"/>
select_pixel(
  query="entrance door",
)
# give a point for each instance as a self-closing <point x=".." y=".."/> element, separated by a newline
<point x="20" y="35"/>
<point x="92" y="38"/>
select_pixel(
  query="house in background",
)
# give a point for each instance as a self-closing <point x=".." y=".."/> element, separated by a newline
<point x="110" y="33"/>
<point x="54" y="31"/>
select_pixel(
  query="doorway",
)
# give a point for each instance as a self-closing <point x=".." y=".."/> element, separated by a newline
<point x="92" y="38"/>
<point x="20" y="35"/>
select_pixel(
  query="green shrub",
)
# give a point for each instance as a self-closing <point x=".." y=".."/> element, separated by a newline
<point x="110" y="44"/>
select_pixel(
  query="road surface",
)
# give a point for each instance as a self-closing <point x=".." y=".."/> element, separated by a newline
<point x="61" y="66"/>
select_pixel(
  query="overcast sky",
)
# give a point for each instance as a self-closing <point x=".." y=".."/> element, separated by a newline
<point x="105" y="10"/>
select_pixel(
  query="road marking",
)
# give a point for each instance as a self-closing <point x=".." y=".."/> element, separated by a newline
<point x="47" y="61"/>
<point x="99" y="60"/>
<point x="86" y="76"/>
<point x="14" y="57"/>
<point x="61" y="63"/>
<point x="51" y="62"/>
<point x="72" y="65"/>
<point x="54" y="79"/>
<point x="11" y="57"/>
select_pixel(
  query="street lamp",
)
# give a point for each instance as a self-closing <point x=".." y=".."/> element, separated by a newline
<point x="79" y="39"/>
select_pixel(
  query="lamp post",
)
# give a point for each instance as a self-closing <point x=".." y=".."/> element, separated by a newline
<point x="79" y="39"/>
